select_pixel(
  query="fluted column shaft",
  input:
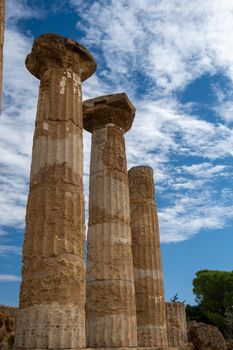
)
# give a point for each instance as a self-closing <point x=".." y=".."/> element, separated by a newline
<point x="176" y="324"/>
<point x="2" y="29"/>
<point x="110" y="300"/>
<point x="148" y="275"/>
<point x="52" y="300"/>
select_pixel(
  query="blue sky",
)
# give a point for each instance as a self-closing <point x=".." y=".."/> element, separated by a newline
<point x="174" y="59"/>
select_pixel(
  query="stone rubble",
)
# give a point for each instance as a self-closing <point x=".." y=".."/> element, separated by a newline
<point x="206" y="337"/>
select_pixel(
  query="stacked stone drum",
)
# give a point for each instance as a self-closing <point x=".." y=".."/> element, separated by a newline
<point x="176" y="325"/>
<point x="148" y="274"/>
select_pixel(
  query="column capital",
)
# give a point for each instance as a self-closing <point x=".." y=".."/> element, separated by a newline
<point x="55" y="51"/>
<point x="110" y="110"/>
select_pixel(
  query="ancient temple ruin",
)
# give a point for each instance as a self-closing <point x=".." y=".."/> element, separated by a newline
<point x="118" y="302"/>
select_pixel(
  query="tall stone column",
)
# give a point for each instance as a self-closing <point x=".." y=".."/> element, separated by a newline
<point x="110" y="298"/>
<point x="176" y="325"/>
<point x="148" y="275"/>
<point x="2" y="26"/>
<point x="52" y="301"/>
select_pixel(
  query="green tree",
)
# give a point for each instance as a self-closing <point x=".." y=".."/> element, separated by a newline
<point x="214" y="297"/>
<point x="229" y="323"/>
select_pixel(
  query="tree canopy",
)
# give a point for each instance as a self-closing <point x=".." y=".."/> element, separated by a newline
<point x="214" y="296"/>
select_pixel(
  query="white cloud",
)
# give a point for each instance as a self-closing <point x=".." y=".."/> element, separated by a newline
<point x="7" y="249"/>
<point x="162" y="128"/>
<point x="189" y="215"/>
<point x="16" y="128"/>
<point x="204" y="169"/>
<point x="172" y="42"/>
<point x="9" y="278"/>
<point x="17" y="119"/>
<point x="17" y="10"/>
<point x="225" y="110"/>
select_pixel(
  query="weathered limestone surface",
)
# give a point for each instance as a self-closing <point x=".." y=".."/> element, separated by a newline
<point x="10" y="311"/>
<point x="148" y="275"/>
<point x="52" y="300"/>
<point x="110" y="296"/>
<point x="7" y="331"/>
<point x="176" y="324"/>
<point x="7" y="325"/>
<point x="129" y="348"/>
<point x="2" y="25"/>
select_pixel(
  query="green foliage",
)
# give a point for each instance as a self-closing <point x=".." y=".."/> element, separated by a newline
<point x="214" y="297"/>
<point x="229" y="323"/>
<point x="193" y="313"/>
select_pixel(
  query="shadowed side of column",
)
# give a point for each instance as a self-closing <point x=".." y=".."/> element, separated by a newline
<point x="110" y="300"/>
<point x="52" y="300"/>
<point x="148" y="275"/>
<point x="176" y="324"/>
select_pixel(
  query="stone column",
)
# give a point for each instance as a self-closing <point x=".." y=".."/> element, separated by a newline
<point x="176" y="325"/>
<point x="52" y="300"/>
<point x="148" y="275"/>
<point x="2" y="25"/>
<point x="110" y="298"/>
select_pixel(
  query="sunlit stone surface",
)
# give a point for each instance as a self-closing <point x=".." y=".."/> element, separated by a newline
<point x="148" y="274"/>
<point x="110" y="303"/>
<point x="176" y="325"/>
